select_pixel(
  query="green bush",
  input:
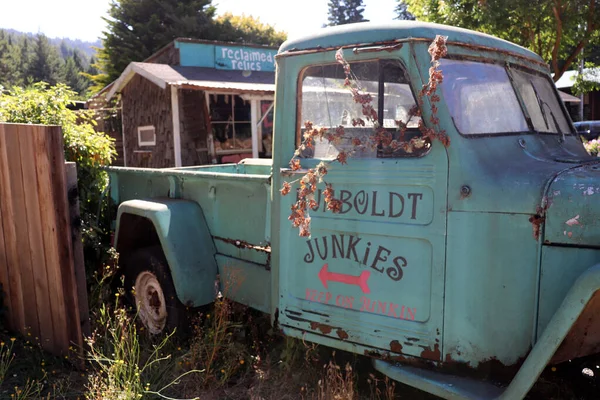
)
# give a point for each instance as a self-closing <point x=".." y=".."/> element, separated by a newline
<point x="43" y="104"/>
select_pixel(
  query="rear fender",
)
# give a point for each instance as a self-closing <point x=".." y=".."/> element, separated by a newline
<point x="181" y="230"/>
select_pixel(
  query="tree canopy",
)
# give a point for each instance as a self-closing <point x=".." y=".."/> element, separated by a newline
<point x="138" y="28"/>
<point x="557" y="30"/>
<point x="345" y="12"/>
<point x="235" y="28"/>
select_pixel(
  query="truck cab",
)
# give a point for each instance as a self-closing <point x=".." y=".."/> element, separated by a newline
<point x="469" y="257"/>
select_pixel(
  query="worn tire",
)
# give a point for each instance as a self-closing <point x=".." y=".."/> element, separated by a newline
<point x="150" y="288"/>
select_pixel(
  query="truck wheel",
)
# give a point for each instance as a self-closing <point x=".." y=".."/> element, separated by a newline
<point x="157" y="305"/>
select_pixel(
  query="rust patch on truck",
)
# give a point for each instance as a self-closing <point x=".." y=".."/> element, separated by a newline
<point x="491" y="367"/>
<point x="395" y="346"/>
<point x="342" y="334"/>
<point x="324" y="328"/>
<point x="539" y="218"/>
<point x="241" y="244"/>
<point x="434" y="354"/>
<point x="584" y="337"/>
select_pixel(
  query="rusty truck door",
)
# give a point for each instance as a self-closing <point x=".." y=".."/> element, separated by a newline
<point x="369" y="278"/>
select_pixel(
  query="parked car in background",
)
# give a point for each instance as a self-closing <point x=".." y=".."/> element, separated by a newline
<point x="588" y="129"/>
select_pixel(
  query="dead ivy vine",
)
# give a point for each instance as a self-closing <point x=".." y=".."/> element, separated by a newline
<point x="379" y="139"/>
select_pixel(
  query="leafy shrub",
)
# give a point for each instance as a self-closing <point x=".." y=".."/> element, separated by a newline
<point x="592" y="147"/>
<point x="41" y="103"/>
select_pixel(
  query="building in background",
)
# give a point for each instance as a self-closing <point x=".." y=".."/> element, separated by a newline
<point x="591" y="100"/>
<point x="196" y="102"/>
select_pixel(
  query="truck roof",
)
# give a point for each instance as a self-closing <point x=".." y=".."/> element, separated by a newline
<point x="368" y="32"/>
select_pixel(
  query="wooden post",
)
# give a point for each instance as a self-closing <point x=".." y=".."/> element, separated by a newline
<point x="254" y="104"/>
<point x="176" y="126"/>
<point x="78" y="261"/>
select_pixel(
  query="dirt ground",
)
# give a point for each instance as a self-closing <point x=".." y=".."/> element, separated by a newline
<point x="310" y="373"/>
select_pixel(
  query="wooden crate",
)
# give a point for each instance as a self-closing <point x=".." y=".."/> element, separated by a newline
<point x="37" y="270"/>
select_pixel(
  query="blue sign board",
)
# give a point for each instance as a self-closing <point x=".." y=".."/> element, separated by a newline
<point x="221" y="56"/>
<point x="244" y="58"/>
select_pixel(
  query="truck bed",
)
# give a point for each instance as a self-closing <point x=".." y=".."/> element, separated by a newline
<point x="235" y="200"/>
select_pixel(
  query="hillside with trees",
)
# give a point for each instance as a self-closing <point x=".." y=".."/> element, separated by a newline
<point x="26" y="58"/>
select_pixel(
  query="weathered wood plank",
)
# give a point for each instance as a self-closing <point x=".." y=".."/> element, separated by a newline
<point x="78" y="260"/>
<point x="19" y="213"/>
<point x="50" y="234"/>
<point x="34" y="230"/>
<point x="4" y="276"/>
<point x="65" y="247"/>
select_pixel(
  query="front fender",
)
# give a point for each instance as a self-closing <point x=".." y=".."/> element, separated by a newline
<point x="556" y="343"/>
<point x="186" y="242"/>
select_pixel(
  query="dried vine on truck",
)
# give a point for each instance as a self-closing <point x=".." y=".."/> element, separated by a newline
<point x="380" y="138"/>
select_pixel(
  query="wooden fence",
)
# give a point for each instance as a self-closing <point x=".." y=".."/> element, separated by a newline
<point x="38" y="275"/>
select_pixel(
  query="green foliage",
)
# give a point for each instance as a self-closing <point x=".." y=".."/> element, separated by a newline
<point x="122" y="370"/>
<point x="592" y="147"/>
<point x="557" y="30"/>
<point x="345" y="12"/>
<point x="6" y="358"/>
<point x="91" y="150"/>
<point x="588" y="80"/>
<point x="235" y="28"/>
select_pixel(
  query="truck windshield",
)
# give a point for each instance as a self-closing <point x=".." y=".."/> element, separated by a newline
<point x="482" y="100"/>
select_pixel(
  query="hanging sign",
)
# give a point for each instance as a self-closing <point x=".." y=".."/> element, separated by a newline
<point x="244" y="58"/>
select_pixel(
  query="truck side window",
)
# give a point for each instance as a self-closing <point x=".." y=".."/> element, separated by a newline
<point x="327" y="103"/>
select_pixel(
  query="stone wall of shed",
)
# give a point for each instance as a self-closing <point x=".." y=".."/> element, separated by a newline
<point x="194" y="127"/>
<point x="143" y="104"/>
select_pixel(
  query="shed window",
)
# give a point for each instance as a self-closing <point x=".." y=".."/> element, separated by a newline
<point x="231" y="123"/>
<point x="146" y="135"/>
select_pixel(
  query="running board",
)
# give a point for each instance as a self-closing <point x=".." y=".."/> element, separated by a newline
<point x="440" y="384"/>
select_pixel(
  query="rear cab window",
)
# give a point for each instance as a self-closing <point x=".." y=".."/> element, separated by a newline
<point x="327" y="103"/>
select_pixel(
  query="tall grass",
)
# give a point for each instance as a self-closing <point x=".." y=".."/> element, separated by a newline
<point x="122" y="369"/>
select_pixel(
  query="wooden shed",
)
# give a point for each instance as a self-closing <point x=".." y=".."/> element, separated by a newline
<point x="197" y="102"/>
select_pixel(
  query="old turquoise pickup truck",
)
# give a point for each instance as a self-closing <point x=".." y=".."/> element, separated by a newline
<point x="472" y="257"/>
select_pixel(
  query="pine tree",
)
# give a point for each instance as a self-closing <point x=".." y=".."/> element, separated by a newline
<point x="138" y="28"/>
<point x="345" y="12"/>
<point x="337" y="12"/>
<point x="26" y="49"/>
<point x="72" y="75"/>
<point x="354" y="11"/>
<point x="10" y="74"/>
<point x="45" y="63"/>
<point x="402" y="12"/>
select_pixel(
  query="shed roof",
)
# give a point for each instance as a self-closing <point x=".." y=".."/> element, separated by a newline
<point x="164" y="75"/>
<point x="567" y="98"/>
<point x="567" y="79"/>
<point x="368" y="32"/>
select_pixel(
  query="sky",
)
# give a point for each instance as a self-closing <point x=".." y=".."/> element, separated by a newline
<point x="82" y="19"/>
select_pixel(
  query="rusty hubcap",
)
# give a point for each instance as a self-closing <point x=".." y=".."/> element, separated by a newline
<point x="150" y="301"/>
